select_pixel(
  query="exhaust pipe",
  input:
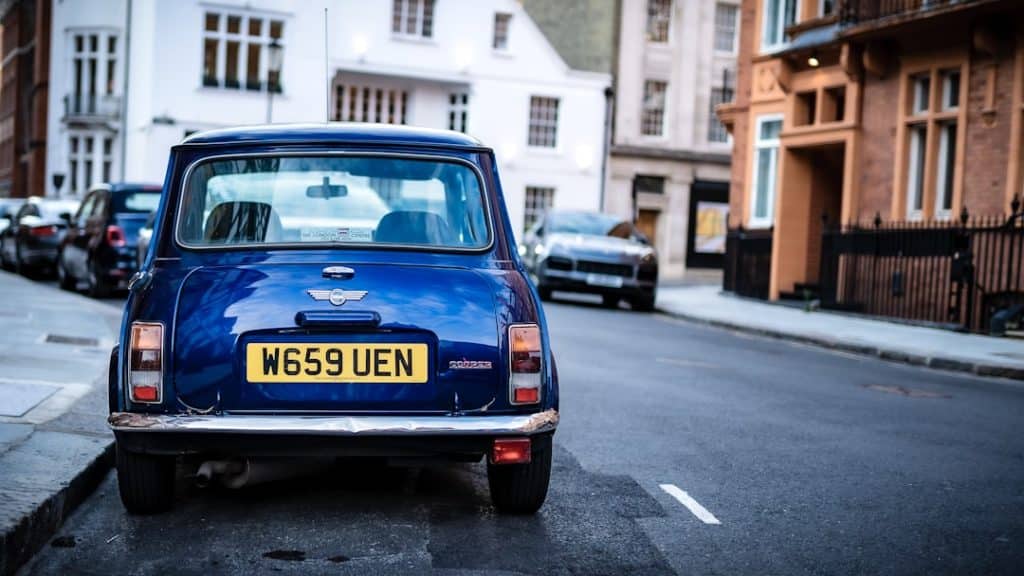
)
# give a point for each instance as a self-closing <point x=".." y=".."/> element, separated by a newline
<point x="235" y="474"/>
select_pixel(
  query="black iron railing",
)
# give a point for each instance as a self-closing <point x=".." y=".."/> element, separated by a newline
<point x="860" y="11"/>
<point x="748" y="262"/>
<point x="967" y="273"/>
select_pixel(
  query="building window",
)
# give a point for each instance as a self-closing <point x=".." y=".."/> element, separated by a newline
<point x="716" y="130"/>
<point x="543" y="130"/>
<point x="458" y="105"/>
<point x="501" y="23"/>
<point x="649" y="184"/>
<point x="826" y="8"/>
<point x="725" y="27"/>
<point x="369" y="104"/>
<point x="538" y="200"/>
<point x="234" y="51"/>
<point x="766" y="161"/>
<point x="413" y="18"/>
<point x="108" y="157"/>
<point x="659" y="16"/>
<point x="932" y="132"/>
<point x="652" y="120"/>
<point x="94" y="73"/>
<point x="776" y="17"/>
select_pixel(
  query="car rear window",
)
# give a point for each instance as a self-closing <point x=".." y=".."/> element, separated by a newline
<point x="140" y="202"/>
<point x="288" y="200"/>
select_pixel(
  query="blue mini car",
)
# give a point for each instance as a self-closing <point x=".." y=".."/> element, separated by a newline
<point x="331" y="290"/>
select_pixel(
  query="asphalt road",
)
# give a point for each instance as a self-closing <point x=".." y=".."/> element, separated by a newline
<point x="812" y="462"/>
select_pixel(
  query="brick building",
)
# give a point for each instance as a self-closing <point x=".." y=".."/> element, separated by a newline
<point x="24" y="72"/>
<point x="870" y="111"/>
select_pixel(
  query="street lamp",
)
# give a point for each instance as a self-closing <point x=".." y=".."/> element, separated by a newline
<point x="275" y="55"/>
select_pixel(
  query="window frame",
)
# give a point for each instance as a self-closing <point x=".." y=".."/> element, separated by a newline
<point x="780" y="20"/>
<point x="507" y="37"/>
<point x="735" y="28"/>
<point x="221" y="37"/>
<point x="668" y="19"/>
<point x="403" y="22"/>
<point x="644" y="111"/>
<point x="485" y="197"/>
<point x="557" y="122"/>
<point x="932" y="116"/>
<point x="529" y="210"/>
<point x="755" y="221"/>
<point x="715" y="124"/>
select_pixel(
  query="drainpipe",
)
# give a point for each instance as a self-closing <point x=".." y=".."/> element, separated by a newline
<point x="124" y="92"/>
<point x="609" y="106"/>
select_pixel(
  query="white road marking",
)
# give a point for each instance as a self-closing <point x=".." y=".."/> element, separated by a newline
<point x="692" y="505"/>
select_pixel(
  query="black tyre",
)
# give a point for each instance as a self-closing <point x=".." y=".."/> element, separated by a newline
<point x="145" y="481"/>
<point x="98" y="288"/>
<point x="522" y="488"/>
<point x="644" y="303"/>
<point x="610" y="301"/>
<point x="64" y="280"/>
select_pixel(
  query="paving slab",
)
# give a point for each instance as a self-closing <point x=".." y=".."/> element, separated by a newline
<point x="54" y="446"/>
<point x="934" y="347"/>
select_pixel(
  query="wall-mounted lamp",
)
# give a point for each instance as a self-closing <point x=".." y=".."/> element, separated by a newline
<point x="360" y="46"/>
<point x="584" y="157"/>
<point x="463" y="56"/>
<point x="813" y="61"/>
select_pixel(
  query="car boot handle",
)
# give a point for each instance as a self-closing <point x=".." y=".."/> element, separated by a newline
<point x="339" y="272"/>
<point x="338" y="318"/>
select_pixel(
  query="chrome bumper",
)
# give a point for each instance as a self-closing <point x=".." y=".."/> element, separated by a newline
<point x="339" y="425"/>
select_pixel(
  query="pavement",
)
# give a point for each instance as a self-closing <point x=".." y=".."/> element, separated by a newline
<point x="933" y="347"/>
<point x="54" y="443"/>
<point x="683" y="448"/>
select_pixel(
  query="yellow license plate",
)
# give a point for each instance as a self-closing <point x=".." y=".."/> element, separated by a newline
<point x="326" y="362"/>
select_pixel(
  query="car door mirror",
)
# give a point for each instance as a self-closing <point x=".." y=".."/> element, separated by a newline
<point x="66" y="217"/>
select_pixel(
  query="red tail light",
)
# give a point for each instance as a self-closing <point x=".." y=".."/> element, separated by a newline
<point x="115" y="236"/>
<point x="43" y="231"/>
<point x="524" y="363"/>
<point x="511" y="451"/>
<point x="145" y="363"/>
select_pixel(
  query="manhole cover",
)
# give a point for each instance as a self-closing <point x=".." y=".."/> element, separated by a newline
<point x="903" y="391"/>
<point x="17" y="399"/>
<point x="73" y="340"/>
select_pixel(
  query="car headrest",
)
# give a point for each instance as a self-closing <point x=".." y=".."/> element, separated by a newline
<point x="411" y="227"/>
<point x="242" y="222"/>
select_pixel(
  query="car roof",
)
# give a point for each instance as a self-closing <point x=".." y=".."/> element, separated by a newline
<point x="334" y="132"/>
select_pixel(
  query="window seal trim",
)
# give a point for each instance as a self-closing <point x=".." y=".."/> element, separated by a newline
<point x="485" y="197"/>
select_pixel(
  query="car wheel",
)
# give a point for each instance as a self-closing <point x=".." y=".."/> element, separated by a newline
<point x="64" y="280"/>
<point x="610" y="301"/>
<point x="522" y="488"/>
<point x="644" y="303"/>
<point x="97" y="287"/>
<point x="145" y="481"/>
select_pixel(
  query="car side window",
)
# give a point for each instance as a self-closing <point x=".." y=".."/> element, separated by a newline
<point x="85" y="210"/>
<point x="99" y="208"/>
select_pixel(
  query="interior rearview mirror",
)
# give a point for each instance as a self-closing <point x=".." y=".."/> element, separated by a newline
<point x="327" y="190"/>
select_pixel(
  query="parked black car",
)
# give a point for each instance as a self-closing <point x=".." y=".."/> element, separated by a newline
<point x="100" y="246"/>
<point x="30" y="241"/>
<point x="594" y="253"/>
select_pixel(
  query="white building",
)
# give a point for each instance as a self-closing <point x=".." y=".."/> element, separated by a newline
<point x="131" y="78"/>
<point x="669" y="158"/>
